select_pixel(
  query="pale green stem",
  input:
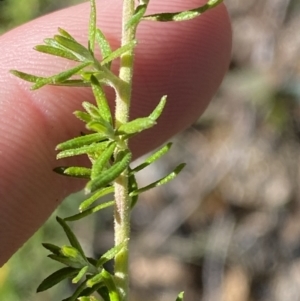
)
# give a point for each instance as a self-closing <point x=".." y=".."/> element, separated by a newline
<point x="122" y="204"/>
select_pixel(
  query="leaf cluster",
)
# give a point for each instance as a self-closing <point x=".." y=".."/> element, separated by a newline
<point x="104" y="143"/>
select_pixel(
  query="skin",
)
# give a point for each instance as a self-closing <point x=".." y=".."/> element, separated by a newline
<point x="186" y="61"/>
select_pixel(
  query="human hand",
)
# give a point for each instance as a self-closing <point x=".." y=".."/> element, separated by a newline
<point x="185" y="61"/>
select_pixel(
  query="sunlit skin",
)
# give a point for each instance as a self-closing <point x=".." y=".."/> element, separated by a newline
<point x="186" y="61"/>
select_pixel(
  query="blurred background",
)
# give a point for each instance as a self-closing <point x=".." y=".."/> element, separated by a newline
<point x="229" y="228"/>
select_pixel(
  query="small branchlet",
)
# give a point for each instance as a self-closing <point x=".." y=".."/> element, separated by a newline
<point x="105" y="144"/>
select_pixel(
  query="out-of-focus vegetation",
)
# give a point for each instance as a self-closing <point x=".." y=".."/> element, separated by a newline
<point x="16" y="12"/>
<point x="228" y="229"/>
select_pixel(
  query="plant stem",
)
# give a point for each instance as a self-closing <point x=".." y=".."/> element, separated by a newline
<point x="122" y="200"/>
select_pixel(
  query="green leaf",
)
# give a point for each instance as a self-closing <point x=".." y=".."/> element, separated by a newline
<point x="89" y="211"/>
<point x="159" y="108"/>
<point x="71" y="236"/>
<point x="73" y="83"/>
<point x="161" y="181"/>
<point x="154" y="157"/>
<point x="83" y="116"/>
<point x="110" y="284"/>
<point x="180" y="296"/>
<point x="56" y="278"/>
<point x="98" y="194"/>
<point x="138" y="14"/>
<point x="91" y="109"/>
<point x="117" y="53"/>
<point x="81" y="273"/>
<point x="74" y="171"/>
<point x="133" y="186"/>
<point x="183" y="15"/>
<point x="101" y="290"/>
<point x="55" y="44"/>
<point x="25" y="76"/>
<point x="110" y="254"/>
<point x="90" y="298"/>
<point x="135" y="126"/>
<point x="66" y="261"/>
<point x="61" y="77"/>
<point x="92" y="26"/>
<point x="95" y="280"/>
<point x="107" y="278"/>
<point x="65" y="34"/>
<point x="56" y="51"/>
<point x="71" y="253"/>
<point x="75" y="47"/>
<point x="103" y="45"/>
<point x="101" y="100"/>
<point x="100" y="126"/>
<point x="80" y="141"/>
<point x="89" y="149"/>
<point x="52" y="248"/>
<point x="109" y="174"/>
<point x="103" y="160"/>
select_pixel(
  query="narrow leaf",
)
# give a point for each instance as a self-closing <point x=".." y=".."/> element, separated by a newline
<point x="161" y="181"/>
<point x="89" y="211"/>
<point x="61" y="77"/>
<point x="158" y="110"/>
<point x="95" y="280"/>
<point x="81" y="273"/>
<point x="103" y="160"/>
<point x="91" y="109"/>
<point x="66" y="261"/>
<point x="109" y="175"/>
<point x="117" y="53"/>
<point x="101" y="126"/>
<point x="154" y="157"/>
<point x="133" y="186"/>
<point x="90" y="298"/>
<point x="25" y="76"/>
<point x="80" y="141"/>
<point x="92" y="26"/>
<point x="110" y="284"/>
<point x="135" y="126"/>
<point x="180" y="296"/>
<point x="65" y="34"/>
<point x="73" y="83"/>
<point x="98" y="194"/>
<point x="103" y="44"/>
<point x="110" y="254"/>
<point x="71" y="236"/>
<point x="183" y="15"/>
<point x="101" y="100"/>
<point x="52" y="248"/>
<point x="74" y="171"/>
<point x="72" y="253"/>
<point x="56" y="278"/>
<point x="138" y="14"/>
<point x="74" y="46"/>
<point x="99" y="288"/>
<point x="55" y="44"/>
<point x="107" y="278"/>
<point x="56" y="51"/>
<point x="83" y="116"/>
<point x="89" y="149"/>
